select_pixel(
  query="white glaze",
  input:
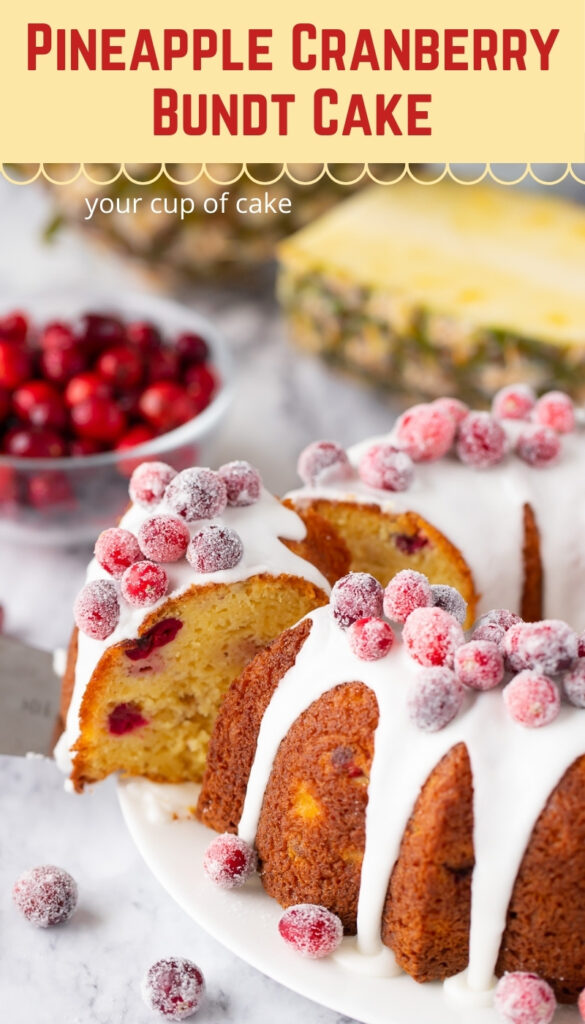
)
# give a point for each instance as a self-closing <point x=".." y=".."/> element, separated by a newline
<point x="514" y="771"/>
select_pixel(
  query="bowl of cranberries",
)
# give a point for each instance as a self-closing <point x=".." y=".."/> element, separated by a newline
<point x="90" y="388"/>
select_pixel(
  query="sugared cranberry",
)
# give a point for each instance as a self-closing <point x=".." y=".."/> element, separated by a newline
<point x="370" y="639"/>
<point x="143" y="335"/>
<point x="322" y="463"/>
<point x="58" y="335"/>
<point x="514" y="402"/>
<point x="229" y="861"/>
<point x="99" y="419"/>
<point x="405" y="592"/>
<point x="549" y="646"/>
<point x="34" y="443"/>
<point x="149" y="482"/>
<point x="456" y="409"/>
<point x="40" y="405"/>
<point x="97" y="609"/>
<point x="121" y="367"/>
<point x="163" y="364"/>
<point x="192" y="348"/>
<point x="173" y="987"/>
<point x="197" y="494"/>
<point x="450" y="600"/>
<point x="493" y="626"/>
<point x="435" y="699"/>
<point x="538" y="446"/>
<point x="201" y="384"/>
<point x="502" y="617"/>
<point x="101" y="331"/>
<point x="523" y="998"/>
<point x="581" y="645"/>
<point x="166" y="405"/>
<point x="431" y="636"/>
<point x="15" y="365"/>
<point x="426" y="432"/>
<point x="581" y="1004"/>
<point x="85" y="385"/>
<point x="116" y="549"/>
<point x="163" y="538"/>
<point x="356" y="596"/>
<point x="214" y="548"/>
<point x="125" y="718"/>
<point x="312" y="930"/>
<point x="44" y="490"/>
<point x="243" y="483"/>
<point x="59" y="365"/>
<point x="574" y="684"/>
<point x="385" y="467"/>
<point x="144" y="583"/>
<point x="532" y="699"/>
<point x="14" y="327"/>
<point x="556" y="411"/>
<point x="479" y="664"/>
<point x="45" y="895"/>
<point x="481" y="441"/>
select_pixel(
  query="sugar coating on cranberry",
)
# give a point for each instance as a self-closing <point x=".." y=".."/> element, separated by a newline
<point x="197" y="494"/>
<point x="514" y="402"/>
<point x="450" y="600"/>
<point x="532" y="699"/>
<point x="435" y="699"/>
<point x="431" y="636"/>
<point x="524" y="998"/>
<point x="45" y="895"/>
<point x="163" y="538"/>
<point x="311" y="930"/>
<point x="454" y="408"/>
<point x="370" y="638"/>
<point x="116" y="549"/>
<point x="502" y="617"/>
<point x="549" y="645"/>
<point x="242" y="481"/>
<point x="479" y="664"/>
<point x="323" y="462"/>
<point x="581" y="645"/>
<point x="581" y="1004"/>
<point x="144" y="583"/>
<point x="173" y="987"/>
<point x="426" y="432"/>
<point x="214" y="548"/>
<point x="555" y="410"/>
<point x="149" y="482"/>
<point x="574" y="684"/>
<point x="481" y="441"/>
<point x="387" y="468"/>
<point x="229" y="861"/>
<point x="538" y="446"/>
<point x="405" y="592"/>
<point x="356" y="596"/>
<point x="97" y="609"/>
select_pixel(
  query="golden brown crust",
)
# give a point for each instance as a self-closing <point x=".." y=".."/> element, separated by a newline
<point x="532" y="587"/>
<point x="322" y="546"/>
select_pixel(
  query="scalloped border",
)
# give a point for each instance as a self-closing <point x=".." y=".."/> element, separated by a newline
<point x="501" y="174"/>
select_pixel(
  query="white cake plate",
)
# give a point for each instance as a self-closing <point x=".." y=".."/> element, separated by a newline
<point x="245" y="921"/>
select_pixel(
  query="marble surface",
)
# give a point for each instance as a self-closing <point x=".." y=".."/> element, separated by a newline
<point x="89" y="971"/>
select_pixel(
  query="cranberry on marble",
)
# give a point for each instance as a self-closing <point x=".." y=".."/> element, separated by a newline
<point x="174" y="988"/>
<point x="45" y="895"/>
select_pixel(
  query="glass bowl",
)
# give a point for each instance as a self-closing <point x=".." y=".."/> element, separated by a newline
<point x="80" y="495"/>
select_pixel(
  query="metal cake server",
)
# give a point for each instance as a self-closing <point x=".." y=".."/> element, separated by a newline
<point x="29" y="699"/>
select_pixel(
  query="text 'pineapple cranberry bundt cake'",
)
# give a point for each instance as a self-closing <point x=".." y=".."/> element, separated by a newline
<point x="490" y="503"/>
<point x="385" y="777"/>
<point x="204" y="570"/>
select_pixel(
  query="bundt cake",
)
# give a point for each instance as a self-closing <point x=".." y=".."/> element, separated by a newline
<point x="203" y="571"/>
<point x="384" y="774"/>
<point x="489" y="503"/>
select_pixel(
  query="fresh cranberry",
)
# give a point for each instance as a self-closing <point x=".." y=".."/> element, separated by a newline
<point x="532" y="699"/>
<point x="159" y="635"/>
<point x="435" y="699"/>
<point x="201" y="384"/>
<point x="192" y="349"/>
<point x="197" y="494"/>
<point x="243" y="483"/>
<point x="166" y="406"/>
<point x="214" y="548"/>
<point x="99" y="419"/>
<point x="125" y="718"/>
<point x="453" y="407"/>
<point x="116" y="549"/>
<point x="143" y="335"/>
<point x="370" y="639"/>
<point x="45" y="895"/>
<point x="144" y="583"/>
<point x="149" y="482"/>
<point x="84" y="446"/>
<point x="229" y="861"/>
<point x="5" y="403"/>
<point x="549" y="646"/>
<point x="312" y="930"/>
<point x="426" y="432"/>
<point x="574" y="684"/>
<point x="99" y="331"/>
<point x="523" y="998"/>
<point x="322" y="463"/>
<point x="40" y="405"/>
<point x="538" y="446"/>
<point x="356" y="596"/>
<point x="556" y="411"/>
<point x="97" y="609"/>
<point x="481" y="441"/>
<point x="59" y="365"/>
<point x="431" y="636"/>
<point x="85" y="385"/>
<point x="34" y="443"/>
<point x="121" y="367"/>
<point x="514" y="402"/>
<point x="58" y="335"/>
<point x="163" y="538"/>
<point x="385" y="467"/>
<point x="9" y="486"/>
<point x="174" y="988"/>
<point x="163" y="364"/>
<point x="450" y="600"/>
<point x="479" y="664"/>
<point x="47" y="489"/>
<point x="139" y="434"/>
<point x="405" y="592"/>
<point x="14" y="327"/>
<point x="16" y="365"/>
